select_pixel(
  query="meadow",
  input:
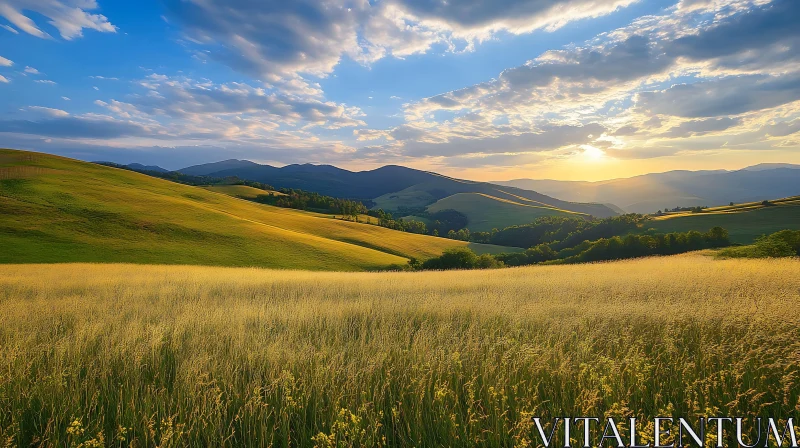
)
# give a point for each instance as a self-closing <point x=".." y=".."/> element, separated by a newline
<point x="137" y="355"/>
<point x="744" y="222"/>
<point x="486" y="212"/>
<point x="56" y="210"/>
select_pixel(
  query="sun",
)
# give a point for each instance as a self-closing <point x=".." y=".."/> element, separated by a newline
<point x="591" y="153"/>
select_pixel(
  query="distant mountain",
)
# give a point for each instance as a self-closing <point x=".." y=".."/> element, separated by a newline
<point x="651" y="192"/>
<point x="392" y="187"/>
<point x="134" y="166"/>
<point x="208" y="169"/>
<point x="770" y="166"/>
<point x="323" y="179"/>
<point x="140" y="167"/>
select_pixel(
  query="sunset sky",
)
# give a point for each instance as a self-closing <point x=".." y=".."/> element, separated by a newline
<point x="479" y="89"/>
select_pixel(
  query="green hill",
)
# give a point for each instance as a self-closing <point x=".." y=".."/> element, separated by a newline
<point x="54" y="209"/>
<point x="440" y="187"/>
<point x="745" y="222"/>
<point x="486" y="212"/>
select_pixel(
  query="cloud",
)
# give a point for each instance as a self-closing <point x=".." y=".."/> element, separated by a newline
<point x="4" y="80"/>
<point x="726" y="96"/>
<point x="32" y="71"/>
<point x="756" y="39"/>
<point x="187" y="98"/>
<point x="467" y="17"/>
<point x="10" y="29"/>
<point x="5" y="62"/>
<point x="45" y="81"/>
<point x="309" y="37"/>
<point x="74" y="127"/>
<point x="70" y="17"/>
<point x="275" y="38"/>
<point x="701" y="127"/>
<point x="621" y="80"/>
<point x="47" y="111"/>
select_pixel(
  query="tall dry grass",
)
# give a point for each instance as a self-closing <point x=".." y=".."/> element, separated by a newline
<point x="120" y="355"/>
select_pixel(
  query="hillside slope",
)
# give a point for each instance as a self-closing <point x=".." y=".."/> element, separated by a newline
<point x="54" y="209"/>
<point x="745" y="222"/>
<point x="427" y="193"/>
<point x="391" y="187"/>
<point x="651" y="192"/>
<point x="486" y="212"/>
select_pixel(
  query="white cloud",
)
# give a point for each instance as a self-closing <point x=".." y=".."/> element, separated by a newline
<point x="70" y="17"/>
<point x="32" y="71"/>
<point x="46" y="81"/>
<point x="620" y="80"/>
<point x="310" y="37"/>
<point x="4" y="80"/>
<point x="10" y="29"/>
<point x="5" y="62"/>
<point x="47" y="111"/>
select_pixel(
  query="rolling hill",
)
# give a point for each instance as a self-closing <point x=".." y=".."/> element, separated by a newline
<point x="486" y="212"/>
<point x="55" y="209"/>
<point x="394" y="187"/>
<point x="487" y="205"/>
<point x="745" y="222"/>
<point x="651" y="192"/>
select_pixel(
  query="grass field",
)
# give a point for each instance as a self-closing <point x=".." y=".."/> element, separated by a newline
<point x="203" y="356"/>
<point x="241" y="191"/>
<point x="485" y="212"/>
<point x="744" y="222"/>
<point x="54" y="209"/>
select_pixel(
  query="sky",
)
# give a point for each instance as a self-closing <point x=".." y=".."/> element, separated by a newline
<point x="477" y="89"/>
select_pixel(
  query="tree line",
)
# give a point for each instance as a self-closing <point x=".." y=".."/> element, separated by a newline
<point x="603" y="249"/>
<point x="304" y="200"/>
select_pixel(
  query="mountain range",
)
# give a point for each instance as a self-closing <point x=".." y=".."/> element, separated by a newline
<point x="394" y="188"/>
<point x="649" y="193"/>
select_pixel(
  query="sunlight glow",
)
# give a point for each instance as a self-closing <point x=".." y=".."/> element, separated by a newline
<point x="592" y="154"/>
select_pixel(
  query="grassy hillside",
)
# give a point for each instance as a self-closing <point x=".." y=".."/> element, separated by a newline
<point x="441" y="187"/>
<point x="241" y="191"/>
<point x="60" y="210"/>
<point x="224" y="357"/>
<point x="745" y="222"/>
<point x="486" y="212"/>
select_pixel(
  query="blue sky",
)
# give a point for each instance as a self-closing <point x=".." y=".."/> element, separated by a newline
<point x="567" y="89"/>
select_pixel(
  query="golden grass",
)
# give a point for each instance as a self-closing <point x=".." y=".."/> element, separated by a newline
<point x="202" y="356"/>
<point x="63" y="210"/>
<point x="242" y="191"/>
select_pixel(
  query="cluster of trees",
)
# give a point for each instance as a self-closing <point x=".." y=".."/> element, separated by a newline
<point x="698" y="209"/>
<point x="603" y="249"/>
<point x="561" y="232"/>
<point x="385" y="219"/>
<point x="785" y="243"/>
<point x="448" y="223"/>
<point x="454" y="258"/>
<point x="618" y="248"/>
<point x="304" y="200"/>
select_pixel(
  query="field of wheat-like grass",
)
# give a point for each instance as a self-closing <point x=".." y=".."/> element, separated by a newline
<point x="140" y="355"/>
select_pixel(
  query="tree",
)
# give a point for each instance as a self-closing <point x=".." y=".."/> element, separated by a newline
<point x="718" y="237"/>
<point x="453" y="258"/>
